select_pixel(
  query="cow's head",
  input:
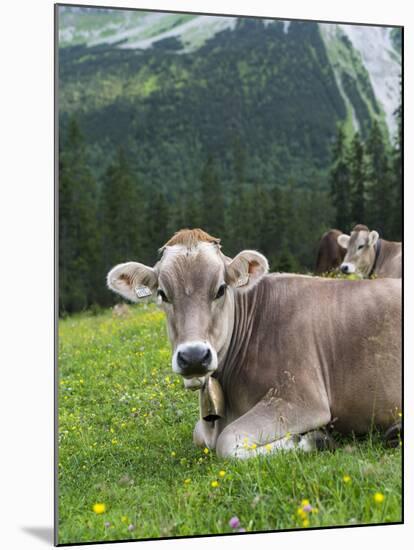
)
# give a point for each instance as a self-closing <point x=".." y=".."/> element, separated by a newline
<point x="195" y="284"/>
<point x="360" y="250"/>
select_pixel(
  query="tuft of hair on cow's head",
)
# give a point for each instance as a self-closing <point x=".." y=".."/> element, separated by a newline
<point x="360" y="227"/>
<point x="190" y="238"/>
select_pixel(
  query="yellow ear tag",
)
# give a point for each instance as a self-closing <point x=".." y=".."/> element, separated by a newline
<point x="142" y="291"/>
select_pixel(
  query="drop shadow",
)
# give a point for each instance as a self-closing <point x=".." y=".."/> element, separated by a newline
<point x="42" y="533"/>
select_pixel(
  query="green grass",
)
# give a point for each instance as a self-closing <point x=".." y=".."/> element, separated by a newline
<point x="125" y="432"/>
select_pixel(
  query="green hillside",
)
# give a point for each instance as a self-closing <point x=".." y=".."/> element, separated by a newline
<point x="275" y="91"/>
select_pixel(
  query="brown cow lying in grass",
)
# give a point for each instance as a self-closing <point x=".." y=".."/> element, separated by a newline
<point x="292" y="353"/>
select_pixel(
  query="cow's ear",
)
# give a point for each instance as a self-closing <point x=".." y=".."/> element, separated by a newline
<point x="132" y="280"/>
<point x="246" y="268"/>
<point x="373" y="238"/>
<point x="343" y="241"/>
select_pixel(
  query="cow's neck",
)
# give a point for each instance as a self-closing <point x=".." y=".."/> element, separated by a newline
<point x="230" y="314"/>
<point x="378" y="247"/>
<point x="232" y="355"/>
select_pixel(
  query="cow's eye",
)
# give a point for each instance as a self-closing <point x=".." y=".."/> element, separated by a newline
<point x="360" y="246"/>
<point x="162" y="295"/>
<point x="221" y="291"/>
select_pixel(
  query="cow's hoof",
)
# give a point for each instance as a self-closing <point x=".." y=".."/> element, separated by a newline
<point x="317" y="441"/>
<point x="393" y="436"/>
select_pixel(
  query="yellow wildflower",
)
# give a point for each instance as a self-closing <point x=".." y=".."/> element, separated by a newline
<point x="187" y="481"/>
<point x="305" y="502"/>
<point x="253" y="446"/>
<point x="222" y="473"/>
<point x="346" y="478"/>
<point x="268" y="447"/>
<point x="305" y="523"/>
<point x="173" y="453"/>
<point x="99" y="508"/>
<point x="215" y="483"/>
<point x="379" y="498"/>
<point x="206" y="451"/>
<point x="301" y="513"/>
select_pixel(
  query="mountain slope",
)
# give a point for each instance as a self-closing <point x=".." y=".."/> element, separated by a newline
<point x="365" y="54"/>
<point x="173" y="89"/>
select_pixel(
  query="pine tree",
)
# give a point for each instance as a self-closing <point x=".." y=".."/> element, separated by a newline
<point x="122" y="212"/>
<point x="212" y="199"/>
<point x="379" y="187"/>
<point x="357" y="180"/>
<point x="78" y="230"/>
<point x="156" y="223"/>
<point x="277" y="225"/>
<point x="339" y="177"/>
<point x="238" y="201"/>
<point x="397" y="177"/>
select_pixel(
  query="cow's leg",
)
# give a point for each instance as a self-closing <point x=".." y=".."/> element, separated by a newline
<point x="394" y="435"/>
<point x="272" y="424"/>
<point x="316" y="440"/>
<point x="205" y="433"/>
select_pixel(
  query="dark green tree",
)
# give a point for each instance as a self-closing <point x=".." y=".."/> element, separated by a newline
<point x="397" y="177"/>
<point x="212" y="199"/>
<point x="121" y="214"/>
<point x="79" y="248"/>
<point x="278" y="223"/>
<point x="157" y="217"/>
<point x="339" y="177"/>
<point x="379" y="183"/>
<point x="357" y="180"/>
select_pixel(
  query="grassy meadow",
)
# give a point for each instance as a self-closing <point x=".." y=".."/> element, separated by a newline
<point x="128" y="467"/>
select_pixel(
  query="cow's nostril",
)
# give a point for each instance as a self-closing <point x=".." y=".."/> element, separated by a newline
<point x="206" y="358"/>
<point x="182" y="360"/>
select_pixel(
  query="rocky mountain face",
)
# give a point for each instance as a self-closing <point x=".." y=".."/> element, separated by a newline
<point x="174" y="88"/>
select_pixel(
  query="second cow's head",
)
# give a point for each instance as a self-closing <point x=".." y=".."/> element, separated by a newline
<point x="194" y="283"/>
<point x="360" y="249"/>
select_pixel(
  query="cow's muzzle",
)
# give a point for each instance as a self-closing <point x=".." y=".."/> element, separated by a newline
<point x="194" y="359"/>
<point x="347" y="268"/>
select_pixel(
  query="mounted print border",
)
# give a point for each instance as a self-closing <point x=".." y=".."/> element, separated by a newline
<point x="229" y="218"/>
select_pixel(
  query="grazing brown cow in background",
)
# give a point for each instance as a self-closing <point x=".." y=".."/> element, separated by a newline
<point x="367" y="254"/>
<point x="330" y="253"/>
<point x="292" y="353"/>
